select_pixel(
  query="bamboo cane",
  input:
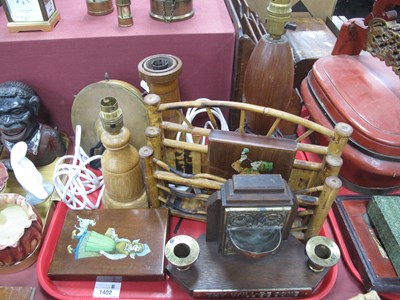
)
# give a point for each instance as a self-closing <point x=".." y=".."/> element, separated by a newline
<point x="186" y="129"/>
<point x="322" y="150"/>
<point x="273" y="127"/>
<point x="343" y="132"/>
<point x="313" y="189"/>
<point x="327" y="197"/>
<point x="150" y="183"/>
<point x="192" y="182"/>
<point x="242" y="121"/>
<point x="307" y="165"/>
<point x="332" y="166"/>
<point x="185" y="146"/>
<point x="201" y="175"/>
<point x="154" y="139"/>
<point x="152" y="104"/>
<point x="211" y="118"/>
<point x="304" y="135"/>
<point x="252" y="108"/>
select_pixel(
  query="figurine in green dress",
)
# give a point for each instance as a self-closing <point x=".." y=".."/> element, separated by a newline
<point x="109" y="245"/>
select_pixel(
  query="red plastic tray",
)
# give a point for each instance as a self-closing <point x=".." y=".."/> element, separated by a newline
<point x="167" y="289"/>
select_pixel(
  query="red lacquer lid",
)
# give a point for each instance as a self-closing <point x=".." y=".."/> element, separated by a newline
<point x="363" y="92"/>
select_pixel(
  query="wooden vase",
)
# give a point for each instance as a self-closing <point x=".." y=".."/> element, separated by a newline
<point x="161" y="73"/>
<point x="124" y="187"/>
<point x="268" y="80"/>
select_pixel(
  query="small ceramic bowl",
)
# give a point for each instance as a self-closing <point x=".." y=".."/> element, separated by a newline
<point x="20" y="229"/>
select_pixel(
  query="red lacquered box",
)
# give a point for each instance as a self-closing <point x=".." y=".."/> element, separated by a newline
<point x="363" y="92"/>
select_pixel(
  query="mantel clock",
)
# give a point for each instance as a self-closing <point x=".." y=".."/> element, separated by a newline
<point x="30" y="15"/>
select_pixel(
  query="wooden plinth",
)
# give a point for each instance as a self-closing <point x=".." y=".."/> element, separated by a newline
<point x="284" y="274"/>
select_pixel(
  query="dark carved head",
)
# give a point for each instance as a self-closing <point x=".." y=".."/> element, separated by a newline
<point x="19" y="109"/>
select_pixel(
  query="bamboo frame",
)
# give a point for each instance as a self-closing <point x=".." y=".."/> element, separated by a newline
<point x="307" y="178"/>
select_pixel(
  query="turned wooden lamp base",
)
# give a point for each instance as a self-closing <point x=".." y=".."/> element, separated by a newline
<point x="283" y="274"/>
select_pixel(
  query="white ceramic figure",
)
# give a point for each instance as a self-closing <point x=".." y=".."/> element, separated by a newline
<point x="26" y="174"/>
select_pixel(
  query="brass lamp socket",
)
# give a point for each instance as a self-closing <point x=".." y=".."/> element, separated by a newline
<point x="182" y="252"/>
<point x="111" y="115"/>
<point x="322" y="253"/>
<point x="278" y="14"/>
<point x="124" y="13"/>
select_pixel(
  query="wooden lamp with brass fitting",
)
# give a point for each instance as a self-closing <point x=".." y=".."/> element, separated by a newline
<point x="123" y="181"/>
<point x="269" y="75"/>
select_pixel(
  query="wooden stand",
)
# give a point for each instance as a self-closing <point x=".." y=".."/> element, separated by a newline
<point x="284" y="274"/>
<point x="35" y="26"/>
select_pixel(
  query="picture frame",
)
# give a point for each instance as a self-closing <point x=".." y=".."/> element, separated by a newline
<point x="363" y="245"/>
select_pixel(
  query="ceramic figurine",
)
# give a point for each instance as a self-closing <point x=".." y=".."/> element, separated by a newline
<point x="19" y="109"/>
<point x="27" y="175"/>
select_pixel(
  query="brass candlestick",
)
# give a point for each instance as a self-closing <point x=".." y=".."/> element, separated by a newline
<point x="322" y="253"/>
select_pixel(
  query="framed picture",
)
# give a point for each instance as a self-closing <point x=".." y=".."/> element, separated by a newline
<point x="364" y="246"/>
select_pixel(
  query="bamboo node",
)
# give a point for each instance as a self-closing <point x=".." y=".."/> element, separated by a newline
<point x="145" y="151"/>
